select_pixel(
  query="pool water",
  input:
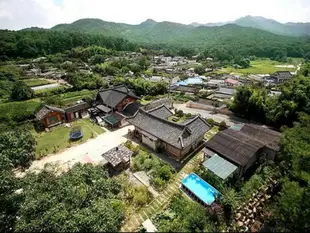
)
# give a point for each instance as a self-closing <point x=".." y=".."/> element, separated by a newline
<point x="200" y="188"/>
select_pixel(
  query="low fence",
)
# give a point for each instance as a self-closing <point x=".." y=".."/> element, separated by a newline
<point x="225" y="111"/>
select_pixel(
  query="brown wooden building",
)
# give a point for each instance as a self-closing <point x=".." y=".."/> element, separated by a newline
<point x="76" y="111"/>
<point x="51" y="116"/>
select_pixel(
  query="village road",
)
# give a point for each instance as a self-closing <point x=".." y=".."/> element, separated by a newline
<point x="89" y="151"/>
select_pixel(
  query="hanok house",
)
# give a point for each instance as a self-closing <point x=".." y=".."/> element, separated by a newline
<point x="114" y="99"/>
<point x="76" y="111"/>
<point x="117" y="159"/>
<point x="50" y="116"/>
<point x="189" y="90"/>
<point x="111" y="103"/>
<point x="154" y="130"/>
<point x="243" y="145"/>
<point x="281" y="76"/>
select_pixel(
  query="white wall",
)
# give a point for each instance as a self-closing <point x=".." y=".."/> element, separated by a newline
<point x="148" y="142"/>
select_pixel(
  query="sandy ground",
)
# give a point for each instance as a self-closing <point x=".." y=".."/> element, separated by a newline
<point x="89" y="151"/>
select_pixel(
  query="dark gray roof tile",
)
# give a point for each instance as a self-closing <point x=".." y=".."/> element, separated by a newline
<point x="117" y="155"/>
<point x="177" y="135"/>
<point x="161" y="112"/>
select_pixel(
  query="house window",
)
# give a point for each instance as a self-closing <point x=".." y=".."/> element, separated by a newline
<point x="53" y="120"/>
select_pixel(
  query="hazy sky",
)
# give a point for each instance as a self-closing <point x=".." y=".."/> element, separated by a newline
<point x="17" y="14"/>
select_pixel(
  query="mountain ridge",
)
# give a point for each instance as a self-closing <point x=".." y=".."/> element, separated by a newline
<point x="271" y="25"/>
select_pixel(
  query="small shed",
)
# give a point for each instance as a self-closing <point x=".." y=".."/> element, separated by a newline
<point x="220" y="167"/>
<point x="118" y="158"/>
<point x="114" y="119"/>
<point x="50" y="116"/>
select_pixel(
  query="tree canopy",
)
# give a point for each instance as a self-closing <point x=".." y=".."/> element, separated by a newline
<point x="291" y="210"/>
<point x="17" y="148"/>
<point x="252" y="102"/>
<point x="20" y="91"/>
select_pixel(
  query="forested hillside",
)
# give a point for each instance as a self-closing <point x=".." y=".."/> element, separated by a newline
<point x="32" y="43"/>
<point x="231" y="38"/>
<point x="224" y="42"/>
<point x="289" y="29"/>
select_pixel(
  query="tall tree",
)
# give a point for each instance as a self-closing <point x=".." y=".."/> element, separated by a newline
<point x="17" y="147"/>
<point x="20" y="91"/>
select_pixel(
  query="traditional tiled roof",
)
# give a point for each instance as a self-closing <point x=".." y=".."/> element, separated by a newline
<point x="188" y="89"/>
<point x="77" y="107"/>
<point x="225" y="91"/>
<point x="161" y="112"/>
<point x="117" y="155"/>
<point x="103" y="108"/>
<point x="130" y="109"/>
<point x="240" y="143"/>
<point x="157" y="103"/>
<point x="282" y="75"/>
<point x="46" y="110"/>
<point x="177" y="135"/>
<point x="113" y="96"/>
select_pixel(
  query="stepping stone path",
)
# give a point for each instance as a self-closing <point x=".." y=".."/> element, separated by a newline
<point x="163" y="198"/>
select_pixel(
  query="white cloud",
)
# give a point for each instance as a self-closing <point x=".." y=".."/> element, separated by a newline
<point x="17" y="14"/>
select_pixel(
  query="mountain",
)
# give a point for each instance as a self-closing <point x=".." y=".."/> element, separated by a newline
<point x="289" y="29"/>
<point x="195" y="24"/>
<point x="223" y="40"/>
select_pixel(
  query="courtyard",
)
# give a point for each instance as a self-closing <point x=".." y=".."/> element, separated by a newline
<point x="57" y="138"/>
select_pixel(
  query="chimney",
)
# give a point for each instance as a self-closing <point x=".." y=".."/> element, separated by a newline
<point x="116" y="148"/>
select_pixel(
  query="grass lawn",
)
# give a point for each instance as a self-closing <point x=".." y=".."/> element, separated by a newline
<point x="57" y="138"/>
<point x="36" y="82"/>
<point x="180" y="119"/>
<point x="261" y="66"/>
<point x="211" y="132"/>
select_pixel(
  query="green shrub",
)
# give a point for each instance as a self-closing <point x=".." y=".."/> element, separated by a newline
<point x="179" y="113"/>
<point x="158" y="182"/>
<point x="148" y="97"/>
<point x="251" y="186"/>
<point x="210" y="121"/>
<point x="223" y="125"/>
<point x="187" y="115"/>
<point x="18" y="111"/>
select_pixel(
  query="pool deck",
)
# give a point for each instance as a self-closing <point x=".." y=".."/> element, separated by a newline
<point x="200" y="188"/>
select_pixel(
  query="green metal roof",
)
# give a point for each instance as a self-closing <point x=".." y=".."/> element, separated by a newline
<point x="113" y="119"/>
<point x="219" y="166"/>
<point x="237" y="127"/>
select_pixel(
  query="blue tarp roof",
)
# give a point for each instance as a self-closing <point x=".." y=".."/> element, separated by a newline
<point x="200" y="188"/>
<point x="190" y="81"/>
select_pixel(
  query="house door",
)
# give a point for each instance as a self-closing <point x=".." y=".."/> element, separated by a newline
<point x="77" y="115"/>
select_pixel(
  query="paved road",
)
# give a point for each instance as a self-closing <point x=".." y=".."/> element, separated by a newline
<point x="47" y="86"/>
<point x="90" y="150"/>
<point x="207" y="114"/>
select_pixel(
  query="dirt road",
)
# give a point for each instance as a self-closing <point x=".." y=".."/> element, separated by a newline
<point x="90" y="150"/>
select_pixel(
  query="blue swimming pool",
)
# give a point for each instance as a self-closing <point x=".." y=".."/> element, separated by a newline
<point x="200" y="188"/>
